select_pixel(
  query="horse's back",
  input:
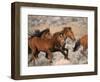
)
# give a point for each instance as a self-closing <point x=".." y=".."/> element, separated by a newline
<point x="40" y="43"/>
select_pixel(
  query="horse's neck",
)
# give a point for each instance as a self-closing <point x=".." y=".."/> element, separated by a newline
<point x="53" y="41"/>
<point x="65" y="36"/>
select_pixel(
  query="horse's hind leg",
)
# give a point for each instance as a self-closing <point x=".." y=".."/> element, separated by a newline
<point x="36" y="54"/>
<point x="32" y="58"/>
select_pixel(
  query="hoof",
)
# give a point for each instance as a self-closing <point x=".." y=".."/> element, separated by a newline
<point x="67" y="58"/>
<point x="50" y="61"/>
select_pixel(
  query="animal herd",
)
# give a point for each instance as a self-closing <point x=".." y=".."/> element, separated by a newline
<point x="46" y="42"/>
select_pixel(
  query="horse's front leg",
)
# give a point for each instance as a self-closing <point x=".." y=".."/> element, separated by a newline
<point x="49" y="55"/>
<point x="65" y="50"/>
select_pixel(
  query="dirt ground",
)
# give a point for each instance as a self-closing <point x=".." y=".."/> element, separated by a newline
<point x="55" y="24"/>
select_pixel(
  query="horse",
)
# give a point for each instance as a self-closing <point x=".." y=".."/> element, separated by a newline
<point x="45" y="34"/>
<point x="38" y="44"/>
<point x="82" y="41"/>
<point x="67" y="33"/>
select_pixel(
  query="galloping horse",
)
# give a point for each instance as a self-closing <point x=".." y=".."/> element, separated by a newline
<point x="44" y="34"/>
<point x="67" y="33"/>
<point x="82" y="41"/>
<point x="38" y="44"/>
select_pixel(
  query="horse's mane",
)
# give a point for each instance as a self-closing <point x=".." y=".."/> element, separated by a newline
<point x="55" y="37"/>
<point x="39" y="33"/>
<point x="44" y="31"/>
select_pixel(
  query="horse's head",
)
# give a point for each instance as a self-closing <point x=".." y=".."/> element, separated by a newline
<point x="77" y="45"/>
<point x="67" y="32"/>
<point x="59" y="39"/>
<point x="46" y="34"/>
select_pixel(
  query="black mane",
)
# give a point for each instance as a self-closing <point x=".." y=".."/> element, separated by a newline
<point x="39" y="33"/>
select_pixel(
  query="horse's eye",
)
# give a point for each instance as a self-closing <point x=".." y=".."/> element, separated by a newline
<point x="69" y="28"/>
<point x="61" y="35"/>
<point x="48" y="33"/>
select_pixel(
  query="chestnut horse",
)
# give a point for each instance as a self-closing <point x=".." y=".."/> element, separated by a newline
<point x="38" y="44"/>
<point x="45" y="34"/>
<point x="68" y="33"/>
<point x="82" y="41"/>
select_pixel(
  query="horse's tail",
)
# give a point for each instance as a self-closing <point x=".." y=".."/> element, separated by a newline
<point x="30" y="60"/>
<point x="29" y="50"/>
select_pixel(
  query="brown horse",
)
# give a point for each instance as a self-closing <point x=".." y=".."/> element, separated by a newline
<point x="38" y="44"/>
<point x="82" y="41"/>
<point x="44" y="34"/>
<point x="67" y="33"/>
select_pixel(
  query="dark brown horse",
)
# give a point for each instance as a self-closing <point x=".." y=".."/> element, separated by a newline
<point x="82" y="41"/>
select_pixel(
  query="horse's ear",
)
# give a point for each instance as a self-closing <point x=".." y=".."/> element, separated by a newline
<point x="65" y="28"/>
<point x="69" y="28"/>
<point x="48" y="30"/>
<point x="61" y="34"/>
<point x="37" y="31"/>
